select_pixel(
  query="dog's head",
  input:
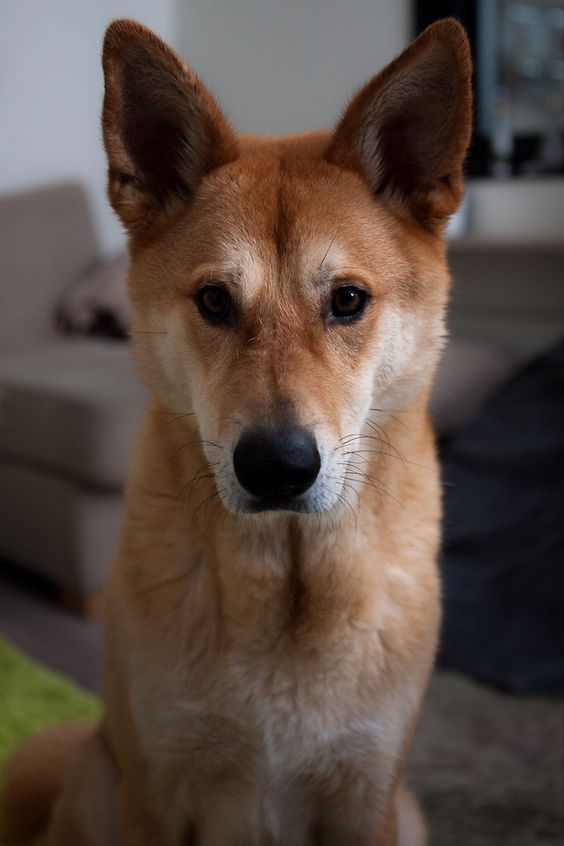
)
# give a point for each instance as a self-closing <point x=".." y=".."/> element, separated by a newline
<point x="285" y="290"/>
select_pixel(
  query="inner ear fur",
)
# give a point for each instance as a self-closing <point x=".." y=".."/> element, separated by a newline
<point x="162" y="129"/>
<point x="407" y="131"/>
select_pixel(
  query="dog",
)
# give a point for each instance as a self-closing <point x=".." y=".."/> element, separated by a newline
<point x="273" y="606"/>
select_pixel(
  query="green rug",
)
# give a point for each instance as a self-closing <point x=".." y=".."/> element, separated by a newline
<point x="32" y="698"/>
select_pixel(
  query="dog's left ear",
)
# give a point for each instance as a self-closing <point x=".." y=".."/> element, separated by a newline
<point x="408" y="129"/>
<point x="163" y="131"/>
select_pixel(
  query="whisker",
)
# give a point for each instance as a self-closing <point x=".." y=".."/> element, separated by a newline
<point x="344" y="501"/>
<point x="398" y="457"/>
<point x="348" y="269"/>
<point x="174" y="413"/>
<point x="368" y="480"/>
<point x="391" y="416"/>
<point x="162" y="584"/>
<point x="187" y="485"/>
<point x="168" y="423"/>
<point x="206" y="500"/>
<point x="144" y="332"/>
<point x="199" y="479"/>
<point x="350" y="439"/>
<point x="322" y="262"/>
<point x="379" y="430"/>
<point x="356" y="436"/>
<point x="180" y="449"/>
<point x="358" y="471"/>
<point x="358" y="452"/>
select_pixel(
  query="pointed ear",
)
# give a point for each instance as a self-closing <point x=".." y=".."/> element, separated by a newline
<point x="408" y="129"/>
<point x="162" y="130"/>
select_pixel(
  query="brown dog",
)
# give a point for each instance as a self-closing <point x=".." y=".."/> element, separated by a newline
<point x="273" y="608"/>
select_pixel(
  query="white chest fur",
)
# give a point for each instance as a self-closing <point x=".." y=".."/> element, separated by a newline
<point x="271" y="746"/>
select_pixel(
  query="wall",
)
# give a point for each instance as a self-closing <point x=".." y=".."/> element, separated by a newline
<point x="283" y="66"/>
<point x="51" y="93"/>
<point x="278" y="65"/>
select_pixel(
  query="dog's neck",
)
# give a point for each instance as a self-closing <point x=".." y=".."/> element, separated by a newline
<point x="276" y="571"/>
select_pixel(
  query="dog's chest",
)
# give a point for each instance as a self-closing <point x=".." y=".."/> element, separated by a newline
<point x="294" y="711"/>
<point x="281" y="708"/>
<point x="271" y="734"/>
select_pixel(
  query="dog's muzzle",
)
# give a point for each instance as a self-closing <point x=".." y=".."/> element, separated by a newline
<point x="276" y="464"/>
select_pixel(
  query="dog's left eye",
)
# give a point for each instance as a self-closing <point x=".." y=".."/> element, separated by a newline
<point x="214" y="303"/>
<point x="348" y="301"/>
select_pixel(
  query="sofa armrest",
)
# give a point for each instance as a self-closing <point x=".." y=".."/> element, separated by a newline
<point x="46" y="239"/>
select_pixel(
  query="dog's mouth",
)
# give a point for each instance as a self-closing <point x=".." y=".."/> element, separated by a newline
<point x="296" y="504"/>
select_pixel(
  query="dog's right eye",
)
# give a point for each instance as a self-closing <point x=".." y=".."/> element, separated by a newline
<point x="214" y="303"/>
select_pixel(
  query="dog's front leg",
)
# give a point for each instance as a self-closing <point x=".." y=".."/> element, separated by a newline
<point x="137" y="826"/>
<point x="87" y="812"/>
<point x="402" y="825"/>
<point x="332" y="832"/>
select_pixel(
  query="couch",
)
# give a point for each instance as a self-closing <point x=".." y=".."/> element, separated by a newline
<point x="70" y="405"/>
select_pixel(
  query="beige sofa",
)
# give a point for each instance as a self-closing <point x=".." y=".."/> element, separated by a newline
<point x="70" y="406"/>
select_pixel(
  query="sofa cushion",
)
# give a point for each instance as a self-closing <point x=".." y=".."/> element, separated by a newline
<point x="97" y="303"/>
<point x="71" y="406"/>
<point x="46" y="240"/>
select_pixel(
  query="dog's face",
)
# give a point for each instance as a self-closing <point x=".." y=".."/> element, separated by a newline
<point x="287" y="292"/>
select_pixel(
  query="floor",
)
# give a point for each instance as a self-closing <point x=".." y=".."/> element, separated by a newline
<point x="485" y="765"/>
<point x="33" y="620"/>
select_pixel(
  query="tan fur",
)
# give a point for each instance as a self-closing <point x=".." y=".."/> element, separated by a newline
<point x="411" y="825"/>
<point x="34" y="778"/>
<point x="264" y="671"/>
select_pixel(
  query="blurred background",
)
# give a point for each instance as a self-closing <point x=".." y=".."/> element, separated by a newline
<point x="485" y="755"/>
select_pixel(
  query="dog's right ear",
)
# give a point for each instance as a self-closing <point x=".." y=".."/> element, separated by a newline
<point x="162" y="129"/>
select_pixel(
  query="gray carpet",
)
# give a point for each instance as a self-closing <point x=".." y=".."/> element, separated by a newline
<point x="486" y="766"/>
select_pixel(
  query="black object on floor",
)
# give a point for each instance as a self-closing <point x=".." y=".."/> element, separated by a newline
<point x="503" y="552"/>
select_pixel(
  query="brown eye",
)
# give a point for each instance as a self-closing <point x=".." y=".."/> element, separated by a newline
<point x="214" y="303"/>
<point x="348" y="301"/>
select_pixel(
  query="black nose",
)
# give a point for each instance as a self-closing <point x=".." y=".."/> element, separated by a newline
<point x="276" y="463"/>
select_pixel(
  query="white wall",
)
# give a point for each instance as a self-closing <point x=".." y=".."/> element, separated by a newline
<point x="51" y="93"/>
<point x="281" y="66"/>
<point x="277" y="65"/>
